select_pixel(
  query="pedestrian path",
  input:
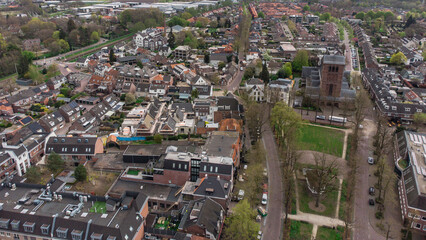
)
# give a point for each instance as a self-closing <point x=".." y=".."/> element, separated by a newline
<point x="338" y="198"/>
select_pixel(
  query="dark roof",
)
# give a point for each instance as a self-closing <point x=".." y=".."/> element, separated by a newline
<point x="213" y="187"/>
<point x="186" y="106"/>
<point x="71" y="145"/>
<point x="333" y="59"/>
<point x="414" y="199"/>
<point x="228" y="103"/>
<point x="205" y="213"/>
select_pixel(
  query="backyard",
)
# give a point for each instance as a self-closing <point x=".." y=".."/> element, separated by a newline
<point x="321" y="139"/>
<point x="98" y="183"/>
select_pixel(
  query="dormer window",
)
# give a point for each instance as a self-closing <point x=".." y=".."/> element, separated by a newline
<point x="15" y="225"/>
<point x="62" y="232"/>
<point x="76" y="234"/>
<point x="96" y="236"/>
<point x="45" y="229"/>
<point x="419" y="110"/>
<point x="29" y="227"/>
<point x="407" y="109"/>
<point x="394" y="108"/>
<point x="4" y="223"/>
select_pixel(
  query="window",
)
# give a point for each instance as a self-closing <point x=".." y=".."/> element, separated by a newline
<point x="76" y="234"/>
<point x="179" y="165"/>
<point x="62" y="232"/>
<point x="394" y="108"/>
<point x="407" y="109"/>
<point x="417" y="226"/>
<point x="174" y="165"/>
<point x="216" y="169"/>
<point x="111" y="238"/>
<point x="45" y="229"/>
<point x="211" y="168"/>
<point x="186" y="167"/>
<point x="1" y="233"/>
<point x="96" y="236"/>
<point x="29" y="227"/>
<point x="4" y="223"/>
<point x="15" y="225"/>
<point x="423" y="218"/>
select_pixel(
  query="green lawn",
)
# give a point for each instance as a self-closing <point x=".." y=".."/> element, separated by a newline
<point x="133" y="172"/>
<point x="325" y="233"/>
<point x="300" y="230"/>
<point x="305" y="196"/>
<point x="321" y="139"/>
<point x="342" y="207"/>
<point x="98" y="207"/>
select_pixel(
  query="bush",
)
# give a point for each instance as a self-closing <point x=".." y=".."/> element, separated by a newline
<point x="379" y="215"/>
<point x="158" y="138"/>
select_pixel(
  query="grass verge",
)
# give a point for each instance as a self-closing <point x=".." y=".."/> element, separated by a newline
<point x="300" y="230"/>
<point x="325" y="233"/>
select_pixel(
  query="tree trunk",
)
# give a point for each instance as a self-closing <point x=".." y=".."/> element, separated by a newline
<point x="317" y="200"/>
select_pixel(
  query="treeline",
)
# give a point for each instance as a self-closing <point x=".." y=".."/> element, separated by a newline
<point x="140" y="19"/>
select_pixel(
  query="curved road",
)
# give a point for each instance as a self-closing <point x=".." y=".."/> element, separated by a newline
<point x="274" y="220"/>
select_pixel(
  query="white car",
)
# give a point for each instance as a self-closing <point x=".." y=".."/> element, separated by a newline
<point x="264" y="198"/>
<point x="370" y="160"/>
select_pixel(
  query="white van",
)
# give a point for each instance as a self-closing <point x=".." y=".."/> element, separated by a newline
<point x="264" y="198"/>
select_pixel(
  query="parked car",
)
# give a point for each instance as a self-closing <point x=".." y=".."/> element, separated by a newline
<point x="371" y="202"/>
<point x="265" y="187"/>
<point x="262" y="211"/>
<point x="321" y="117"/>
<point x="264" y="198"/>
<point x="259" y="235"/>
<point x="371" y="191"/>
<point x="370" y="160"/>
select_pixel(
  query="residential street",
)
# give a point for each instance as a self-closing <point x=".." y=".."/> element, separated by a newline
<point x="348" y="53"/>
<point x="273" y="224"/>
<point x="362" y="225"/>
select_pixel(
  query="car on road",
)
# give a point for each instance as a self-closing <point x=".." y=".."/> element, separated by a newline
<point x="371" y="202"/>
<point x="371" y="191"/>
<point x="262" y="212"/>
<point x="265" y="198"/>
<point x="321" y="117"/>
<point x="66" y="66"/>
<point x="370" y="160"/>
<point x="259" y="235"/>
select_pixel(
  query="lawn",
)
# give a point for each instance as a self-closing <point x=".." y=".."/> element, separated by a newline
<point x="325" y="233"/>
<point x="98" y="207"/>
<point x="329" y="201"/>
<point x="133" y="172"/>
<point x="98" y="183"/>
<point x="300" y="230"/>
<point x="321" y="139"/>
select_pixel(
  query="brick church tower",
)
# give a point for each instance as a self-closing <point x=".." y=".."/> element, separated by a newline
<point x="332" y="68"/>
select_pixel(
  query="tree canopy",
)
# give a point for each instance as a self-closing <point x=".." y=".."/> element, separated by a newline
<point x="300" y="60"/>
<point x="80" y="173"/>
<point x="398" y="58"/>
<point x="55" y="162"/>
<point x="241" y="224"/>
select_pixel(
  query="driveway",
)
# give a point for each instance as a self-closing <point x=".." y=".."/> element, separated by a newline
<point x="274" y="221"/>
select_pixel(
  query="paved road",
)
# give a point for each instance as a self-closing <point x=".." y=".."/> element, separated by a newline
<point x="273" y="226"/>
<point x="363" y="212"/>
<point x="348" y="53"/>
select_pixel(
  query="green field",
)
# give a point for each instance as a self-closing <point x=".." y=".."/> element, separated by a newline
<point x="98" y="207"/>
<point x="325" y="233"/>
<point x="300" y="230"/>
<point x="321" y="139"/>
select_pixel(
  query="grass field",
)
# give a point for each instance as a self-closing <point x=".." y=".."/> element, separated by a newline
<point x="321" y="139"/>
<point x="98" y="207"/>
<point x="325" y="233"/>
<point x="300" y="230"/>
<point x="329" y="201"/>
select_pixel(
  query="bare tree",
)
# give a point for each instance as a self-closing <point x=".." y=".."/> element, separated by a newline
<point x="382" y="139"/>
<point x="290" y="157"/>
<point x="255" y="118"/>
<point x="323" y="176"/>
